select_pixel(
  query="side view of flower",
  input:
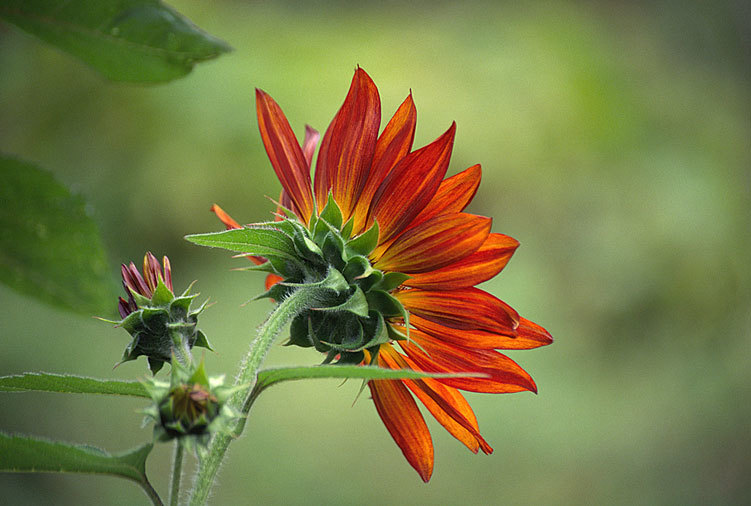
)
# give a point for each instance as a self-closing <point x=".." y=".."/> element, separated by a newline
<point x="379" y="239"/>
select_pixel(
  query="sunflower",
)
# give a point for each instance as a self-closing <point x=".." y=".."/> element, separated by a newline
<point x="423" y="311"/>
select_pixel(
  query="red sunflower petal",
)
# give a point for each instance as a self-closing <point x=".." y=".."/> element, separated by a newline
<point x="531" y="332"/>
<point x="453" y="195"/>
<point x="402" y="418"/>
<point x="435" y="243"/>
<point x="524" y="338"/>
<point x="285" y="154"/>
<point x="393" y="144"/>
<point x="483" y="264"/>
<point x="309" y="144"/>
<point x="348" y="145"/>
<point x="467" y="308"/>
<point x="446" y="404"/>
<point x="411" y="185"/>
<point x="505" y="375"/>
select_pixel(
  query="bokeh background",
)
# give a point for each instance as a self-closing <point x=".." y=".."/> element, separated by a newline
<point x="614" y="139"/>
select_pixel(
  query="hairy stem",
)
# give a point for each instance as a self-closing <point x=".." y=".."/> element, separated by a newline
<point x="259" y="347"/>
<point x="177" y="469"/>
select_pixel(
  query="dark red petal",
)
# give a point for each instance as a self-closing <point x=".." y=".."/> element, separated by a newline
<point x="470" y="338"/>
<point x="505" y="375"/>
<point x="152" y="271"/>
<point x="393" y="144"/>
<point x="123" y="308"/>
<point x="467" y="308"/>
<point x="483" y="264"/>
<point x="445" y="403"/>
<point x="402" y="418"/>
<point x="309" y="144"/>
<point x="133" y="280"/>
<point x="167" y="273"/>
<point x="285" y="154"/>
<point x="348" y="145"/>
<point x="410" y="185"/>
<point x="435" y="243"/>
<point x="453" y="195"/>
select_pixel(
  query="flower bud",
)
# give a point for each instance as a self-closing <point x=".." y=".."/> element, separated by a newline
<point x="161" y="324"/>
<point x="191" y="407"/>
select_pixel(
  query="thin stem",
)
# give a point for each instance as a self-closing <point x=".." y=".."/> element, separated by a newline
<point x="259" y="347"/>
<point x="177" y="469"/>
<point x="146" y="486"/>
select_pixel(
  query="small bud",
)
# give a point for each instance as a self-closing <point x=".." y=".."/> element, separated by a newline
<point x="161" y="324"/>
<point x="191" y="407"/>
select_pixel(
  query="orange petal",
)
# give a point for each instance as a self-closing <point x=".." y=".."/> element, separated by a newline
<point x="272" y="279"/>
<point x="446" y="404"/>
<point x="505" y="375"/>
<point x="348" y="145"/>
<point x="524" y="338"/>
<point x="435" y="243"/>
<point x="402" y="418"/>
<point x="285" y="154"/>
<point x="228" y="221"/>
<point x="411" y="185"/>
<point x="483" y="264"/>
<point x="393" y="145"/>
<point x="466" y="308"/>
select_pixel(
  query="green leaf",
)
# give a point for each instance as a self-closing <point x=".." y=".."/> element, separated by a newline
<point x="268" y="377"/>
<point x="28" y="454"/>
<point x="262" y="241"/>
<point x="47" y="382"/>
<point x="126" y="40"/>
<point x="364" y="243"/>
<point x="49" y="246"/>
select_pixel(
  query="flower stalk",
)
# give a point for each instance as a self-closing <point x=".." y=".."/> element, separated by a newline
<point x="177" y="469"/>
<point x="287" y="309"/>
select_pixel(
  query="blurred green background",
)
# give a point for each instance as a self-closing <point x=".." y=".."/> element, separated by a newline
<point x="614" y="139"/>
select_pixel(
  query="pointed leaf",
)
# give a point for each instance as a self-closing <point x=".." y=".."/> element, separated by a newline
<point x="29" y="454"/>
<point x="48" y="382"/>
<point x="264" y="241"/>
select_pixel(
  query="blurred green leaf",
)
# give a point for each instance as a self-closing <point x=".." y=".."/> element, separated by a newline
<point x="47" y="382"/>
<point x="49" y="247"/>
<point x="126" y="40"/>
<point x="28" y="454"/>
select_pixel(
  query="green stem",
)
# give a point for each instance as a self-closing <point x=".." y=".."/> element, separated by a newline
<point x="146" y="486"/>
<point x="177" y="469"/>
<point x="284" y="312"/>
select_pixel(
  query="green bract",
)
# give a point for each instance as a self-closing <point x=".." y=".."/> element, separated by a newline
<point x="163" y="326"/>
<point x="350" y="299"/>
<point x="191" y="407"/>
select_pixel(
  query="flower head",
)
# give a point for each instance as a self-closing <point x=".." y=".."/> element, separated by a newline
<point x="383" y="234"/>
<point x="160" y="323"/>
